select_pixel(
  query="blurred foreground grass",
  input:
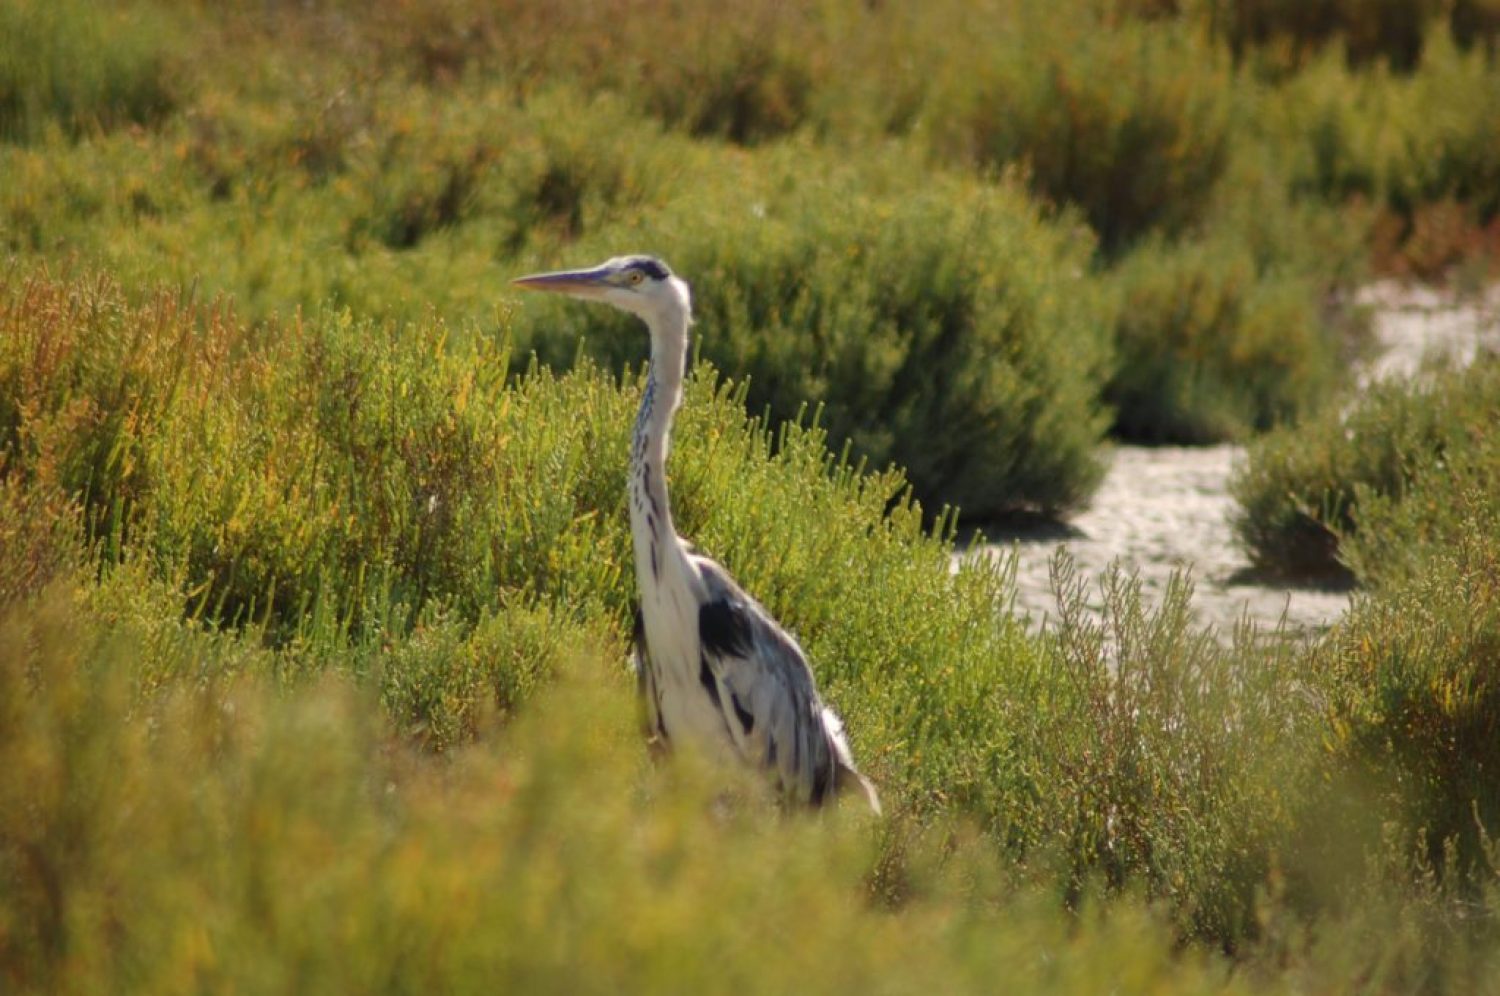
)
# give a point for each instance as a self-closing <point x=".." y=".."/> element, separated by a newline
<point x="224" y="835"/>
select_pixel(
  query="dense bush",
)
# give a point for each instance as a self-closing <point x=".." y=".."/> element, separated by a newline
<point x="1212" y="348"/>
<point x="338" y="485"/>
<point x="392" y="202"/>
<point x="220" y="832"/>
<point x="1422" y="148"/>
<point x="1172" y="754"/>
<point x="312" y="604"/>
<point x="746" y="78"/>
<point x="325" y="176"/>
<point x="72" y="66"/>
<point x="1417" y="704"/>
<point x="1401" y="459"/>
<point x="951" y="331"/>
<point x="1129" y="122"/>
<point x="1284" y="32"/>
<point x="1245" y="322"/>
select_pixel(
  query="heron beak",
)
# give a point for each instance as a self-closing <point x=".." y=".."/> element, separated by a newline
<point x="579" y="283"/>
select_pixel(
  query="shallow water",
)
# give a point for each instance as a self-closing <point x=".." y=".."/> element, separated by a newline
<point x="1162" y="509"/>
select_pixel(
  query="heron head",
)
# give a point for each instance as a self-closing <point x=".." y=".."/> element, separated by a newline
<point x="641" y="285"/>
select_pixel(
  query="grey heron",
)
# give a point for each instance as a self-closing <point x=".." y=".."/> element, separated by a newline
<point x="715" y="670"/>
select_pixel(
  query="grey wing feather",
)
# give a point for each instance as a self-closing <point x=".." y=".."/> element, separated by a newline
<point x="768" y="697"/>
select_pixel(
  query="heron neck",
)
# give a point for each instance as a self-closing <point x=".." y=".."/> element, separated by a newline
<point x="650" y="509"/>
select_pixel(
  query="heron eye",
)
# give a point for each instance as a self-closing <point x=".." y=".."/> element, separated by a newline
<point x="636" y="276"/>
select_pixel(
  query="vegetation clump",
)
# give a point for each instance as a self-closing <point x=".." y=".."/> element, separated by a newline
<point x="1380" y="489"/>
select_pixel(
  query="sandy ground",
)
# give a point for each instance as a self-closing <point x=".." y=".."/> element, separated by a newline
<point x="1168" y="508"/>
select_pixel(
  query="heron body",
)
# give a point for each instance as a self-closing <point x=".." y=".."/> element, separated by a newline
<point x="716" y="672"/>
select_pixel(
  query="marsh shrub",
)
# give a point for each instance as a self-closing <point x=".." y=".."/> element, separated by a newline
<point x="1305" y="491"/>
<point x="1417" y="702"/>
<point x="547" y="172"/>
<point x="82" y="382"/>
<point x="940" y="322"/>
<point x="228" y="832"/>
<point x="1322" y="244"/>
<point x="1336" y="129"/>
<point x="1213" y="348"/>
<point x="1130" y="123"/>
<point x="1174" y="753"/>
<point x="946" y="329"/>
<point x="1414" y="147"/>
<point x="39" y="539"/>
<point x="312" y="652"/>
<point x="1285" y="32"/>
<point x="391" y="520"/>
<point x="746" y="78"/>
<point x="1453" y="142"/>
<point x="1476" y="22"/>
<point x="70" y="65"/>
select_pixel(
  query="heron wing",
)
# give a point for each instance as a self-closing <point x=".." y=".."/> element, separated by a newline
<point x="760" y="680"/>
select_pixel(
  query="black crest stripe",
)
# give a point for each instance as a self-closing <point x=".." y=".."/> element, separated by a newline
<point x="652" y="268"/>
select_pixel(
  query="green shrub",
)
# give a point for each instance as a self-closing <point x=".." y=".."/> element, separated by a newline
<point x="1398" y="534"/>
<point x="1417" y="705"/>
<point x="988" y="86"/>
<point x="1453" y="146"/>
<point x="355" y="471"/>
<point x="1211" y="347"/>
<point x="1475" y="21"/>
<point x="1243" y="324"/>
<point x="1306" y="491"/>
<point x="394" y="203"/>
<point x="82" y="382"/>
<point x="1282" y="34"/>
<point x="225" y="833"/>
<point x="962" y="294"/>
<point x="1336" y="129"/>
<point x="1405" y="144"/>
<point x="331" y="485"/>
<point x="746" y="78"/>
<point x="71" y="65"/>
<point x="1173" y="754"/>
<point x="248" y="564"/>
<point x="1130" y="123"/>
<point x="411" y="543"/>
